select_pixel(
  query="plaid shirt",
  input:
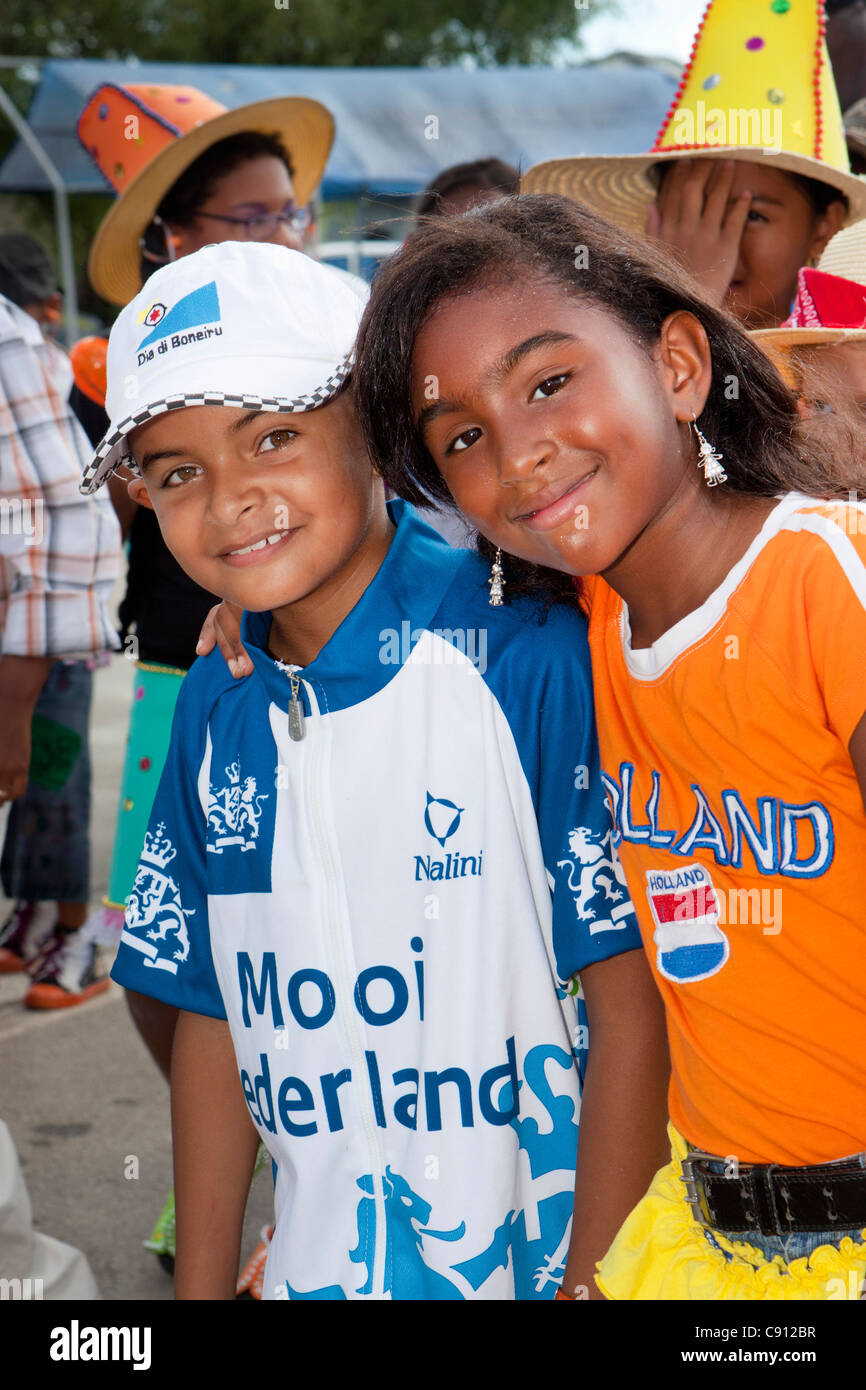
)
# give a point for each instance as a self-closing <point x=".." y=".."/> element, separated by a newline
<point x="59" y="551"/>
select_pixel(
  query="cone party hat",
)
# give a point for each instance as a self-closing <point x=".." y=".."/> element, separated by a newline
<point x="757" y="87"/>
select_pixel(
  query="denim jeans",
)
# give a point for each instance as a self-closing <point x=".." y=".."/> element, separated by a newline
<point x="798" y="1244"/>
<point x="46" y="855"/>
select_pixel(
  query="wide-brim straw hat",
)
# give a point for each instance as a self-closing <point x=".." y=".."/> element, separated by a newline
<point x="144" y="137"/>
<point x="758" y="87"/>
<point x="621" y="187"/>
<point x="830" y="305"/>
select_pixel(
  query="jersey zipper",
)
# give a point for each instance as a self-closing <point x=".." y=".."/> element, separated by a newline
<point x="344" y="984"/>
<point x="297" y="728"/>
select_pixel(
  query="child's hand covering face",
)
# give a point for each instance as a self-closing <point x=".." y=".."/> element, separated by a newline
<point x="699" y="215"/>
<point x="744" y="230"/>
<point x="556" y="432"/>
<point x="262" y="509"/>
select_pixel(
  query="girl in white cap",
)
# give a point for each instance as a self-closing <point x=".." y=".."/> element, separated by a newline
<point x="376" y="862"/>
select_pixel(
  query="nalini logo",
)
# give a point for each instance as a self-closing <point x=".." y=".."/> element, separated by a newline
<point x="442" y="819"/>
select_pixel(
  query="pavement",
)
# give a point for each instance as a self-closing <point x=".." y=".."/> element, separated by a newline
<point x="79" y="1091"/>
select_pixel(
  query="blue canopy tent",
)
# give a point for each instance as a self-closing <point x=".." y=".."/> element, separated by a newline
<point x="396" y="127"/>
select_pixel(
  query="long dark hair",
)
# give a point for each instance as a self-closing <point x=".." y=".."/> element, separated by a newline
<point x="750" y="415"/>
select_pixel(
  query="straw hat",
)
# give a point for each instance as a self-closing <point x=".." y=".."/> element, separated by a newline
<point x="830" y="305"/>
<point x="757" y="87"/>
<point x="143" y="137"/>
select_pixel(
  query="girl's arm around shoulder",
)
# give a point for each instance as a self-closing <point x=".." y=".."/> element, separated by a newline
<point x="222" y="629"/>
<point x="215" y="1144"/>
<point x="622" y="1136"/>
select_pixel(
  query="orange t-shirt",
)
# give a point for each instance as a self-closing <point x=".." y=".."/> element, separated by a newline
<point x="741" y="829"/>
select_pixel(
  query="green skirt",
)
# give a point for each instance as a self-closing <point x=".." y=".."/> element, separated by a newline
<point x="154" y="696"/>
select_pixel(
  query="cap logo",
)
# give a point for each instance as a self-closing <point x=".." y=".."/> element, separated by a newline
<point x="152" y="315"/>
<point x="196" y="308"/>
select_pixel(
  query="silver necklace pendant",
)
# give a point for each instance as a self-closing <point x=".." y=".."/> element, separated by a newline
<point x="296" y="719"/>
<point x="296" y="709"/>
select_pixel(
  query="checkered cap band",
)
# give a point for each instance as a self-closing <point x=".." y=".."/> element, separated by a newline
<point x="96" y="472"/>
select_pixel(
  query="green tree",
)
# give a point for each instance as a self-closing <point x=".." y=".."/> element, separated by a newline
<point x="332" y="33"/>
<point x="338" y="33"/>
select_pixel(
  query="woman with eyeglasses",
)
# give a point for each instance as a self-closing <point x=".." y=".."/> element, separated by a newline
<point x="193" y="173"/>
<point x="240" y="189"/>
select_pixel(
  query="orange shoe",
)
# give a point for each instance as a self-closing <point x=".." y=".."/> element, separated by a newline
<point x="67" y="971"/>
<point x="24" y="933"/>
<point x="252" y="1280"/>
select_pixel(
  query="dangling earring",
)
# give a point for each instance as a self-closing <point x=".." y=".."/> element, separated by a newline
<point x="710" y="461"/>
<point x="496" y="581"/>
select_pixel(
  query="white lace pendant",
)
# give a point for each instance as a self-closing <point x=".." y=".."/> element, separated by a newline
<point x="711" y="462"/>
<point x="496" y="581"/>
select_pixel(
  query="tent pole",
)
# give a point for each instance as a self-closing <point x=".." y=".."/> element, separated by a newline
<point x="61" y="215"/>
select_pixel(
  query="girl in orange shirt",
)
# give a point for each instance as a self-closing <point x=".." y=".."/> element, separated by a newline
<point x="588" y="411"/>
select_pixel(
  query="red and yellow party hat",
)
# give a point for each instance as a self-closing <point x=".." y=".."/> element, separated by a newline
<point x="757" y="87"/>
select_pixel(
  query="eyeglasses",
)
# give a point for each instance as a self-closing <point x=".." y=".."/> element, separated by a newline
<point x="262" y="225"/>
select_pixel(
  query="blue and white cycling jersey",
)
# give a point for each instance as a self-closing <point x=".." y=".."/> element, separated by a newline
<point x="387" y="912"/>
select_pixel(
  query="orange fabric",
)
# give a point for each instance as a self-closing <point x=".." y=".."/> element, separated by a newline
<point x="124" y="128"/>
<point x="88" y="357"/>
<point x="725" y="754"/>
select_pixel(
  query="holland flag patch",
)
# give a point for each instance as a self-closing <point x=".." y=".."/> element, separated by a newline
<point x="690" y="944"/>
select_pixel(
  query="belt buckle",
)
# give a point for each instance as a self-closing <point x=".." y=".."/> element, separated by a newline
<point x="689" y="1178"/>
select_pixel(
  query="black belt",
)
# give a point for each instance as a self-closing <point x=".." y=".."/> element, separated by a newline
<point x="773" y="1199"/>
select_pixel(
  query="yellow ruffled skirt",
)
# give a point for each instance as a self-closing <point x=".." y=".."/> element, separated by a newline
<point x="662" y="1252"/>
